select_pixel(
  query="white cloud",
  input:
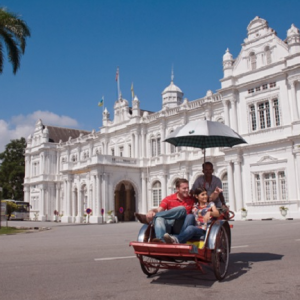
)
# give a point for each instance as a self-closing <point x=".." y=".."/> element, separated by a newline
<point x="21" y="126"/>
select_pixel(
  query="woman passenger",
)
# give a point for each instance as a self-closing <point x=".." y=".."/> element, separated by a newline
<point x="203" y="211"/>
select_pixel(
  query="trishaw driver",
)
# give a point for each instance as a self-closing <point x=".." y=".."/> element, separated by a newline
<point x="209" y="182"/>
<point x="174" y="213"/>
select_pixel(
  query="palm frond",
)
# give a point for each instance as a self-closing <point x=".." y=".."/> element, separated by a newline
<point x="14" y="32"/>
<point x="12" y="50"/>
<point x="1" y="58"/>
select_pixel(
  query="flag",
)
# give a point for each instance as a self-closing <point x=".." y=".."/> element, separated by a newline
<point x="101" y="102"/>
<point x="132" y="91"/>
<point x="117" y="74"/>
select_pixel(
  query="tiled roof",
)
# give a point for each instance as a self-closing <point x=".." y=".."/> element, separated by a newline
<point x="58" y="133"/>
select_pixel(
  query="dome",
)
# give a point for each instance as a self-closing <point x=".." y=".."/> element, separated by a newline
<point x="227" y="55"/>
<point x="172" y="88"/>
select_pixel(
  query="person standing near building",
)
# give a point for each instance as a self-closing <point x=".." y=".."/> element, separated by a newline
<point x="209" y="182"/>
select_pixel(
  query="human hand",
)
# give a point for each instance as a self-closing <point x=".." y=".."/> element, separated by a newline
<point x="218" y="190"/>
<point x="150" y="215"/>
<point x="224" y="208"/>
<point x="206" y="217"/>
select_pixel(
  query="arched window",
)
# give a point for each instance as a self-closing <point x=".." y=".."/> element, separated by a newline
<point x="253" y="61"/>
<point x="156" y="193"/>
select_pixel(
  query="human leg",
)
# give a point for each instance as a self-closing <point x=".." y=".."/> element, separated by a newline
<point x="189" y="220"/>
<point x="190" y="232"/>
<point x="164" y="220"/>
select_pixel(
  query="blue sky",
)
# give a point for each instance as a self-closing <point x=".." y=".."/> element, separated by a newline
<point x="76" y="46"/>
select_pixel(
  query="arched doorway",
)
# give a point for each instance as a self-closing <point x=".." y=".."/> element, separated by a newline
<point x="125" y="199"/>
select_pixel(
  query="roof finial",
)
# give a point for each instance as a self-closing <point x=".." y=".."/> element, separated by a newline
<point x="172" y="74"/>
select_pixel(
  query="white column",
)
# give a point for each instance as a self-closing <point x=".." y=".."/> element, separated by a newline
<point x="238" y="185"/>
<point x="109" y="198"/>
<point x="262" y="189"/>
<point x="42" y="168"/>
<point x="57" y="197"/>
<point x="163" y="186"/>
<point x="103" y="194"/>
<point x="99" y="196"/>
<point x="234" y="116"/>
<point x="294" y="105"/>
<point x="56" y="163"/>
<point x="143" y="205"/>
<point x="226" y="113"/>
<point x="143" y="144"/>
<point x="78" y="217"/>
<point x="42" y="209"/>
<point x="231" y="187"/>
<point x="80" y="201"/>
<point x="163" y="136"/>
<point x="69" y="200"/>
<point x="26" y="166"/>
<point x="66" y="208"/>
<point x="94" y="195"/>
<point x="27" y="194"/>
<point x="136" y="146"/>
<point x="296" y="152"/>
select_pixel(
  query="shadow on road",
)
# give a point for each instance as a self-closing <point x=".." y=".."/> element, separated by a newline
<point x="240" y="263"/>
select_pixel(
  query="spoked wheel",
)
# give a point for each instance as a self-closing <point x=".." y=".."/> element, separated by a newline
<point x="149" y="265"/>
<point x="220" y="255"/>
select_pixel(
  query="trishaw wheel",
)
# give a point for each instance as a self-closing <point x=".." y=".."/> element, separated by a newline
<point x="149" y="265"/>
<point x="220" y="255"/>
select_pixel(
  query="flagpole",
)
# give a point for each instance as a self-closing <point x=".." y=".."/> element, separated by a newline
<point x="119" y="92"/>
<point x="118" y="84"/>
<point x="132" y="91"/>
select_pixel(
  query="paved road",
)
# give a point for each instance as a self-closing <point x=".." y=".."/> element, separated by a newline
<point x="95" y="262"/>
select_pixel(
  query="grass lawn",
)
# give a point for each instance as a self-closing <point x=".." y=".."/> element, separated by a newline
<point x="10" y="230"/>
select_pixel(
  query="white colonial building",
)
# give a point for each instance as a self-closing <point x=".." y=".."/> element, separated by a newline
<point x="126" y="166"/>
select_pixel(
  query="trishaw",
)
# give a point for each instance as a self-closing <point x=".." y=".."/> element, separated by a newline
<point x="212" y="249"/>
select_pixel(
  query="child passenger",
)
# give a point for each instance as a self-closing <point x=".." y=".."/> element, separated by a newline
<point x="203" y="211"/>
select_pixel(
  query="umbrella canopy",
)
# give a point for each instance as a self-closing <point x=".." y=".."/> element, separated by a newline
<point x="204" y="134"/>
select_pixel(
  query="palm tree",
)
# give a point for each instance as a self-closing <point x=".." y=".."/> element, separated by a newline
<point x="13" y="32"/>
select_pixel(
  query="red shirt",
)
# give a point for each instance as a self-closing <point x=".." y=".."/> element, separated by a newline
<point x="172" y="201"/>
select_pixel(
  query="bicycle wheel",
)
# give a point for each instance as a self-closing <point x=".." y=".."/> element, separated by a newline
<point x="149" y="265"/>
<point x="220" y="255"/>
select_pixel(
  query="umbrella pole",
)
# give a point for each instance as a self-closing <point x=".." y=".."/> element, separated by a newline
<point x="204" y="155"/>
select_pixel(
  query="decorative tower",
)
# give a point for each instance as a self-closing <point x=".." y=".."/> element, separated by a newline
<point x="45" y="135"/>
<point x="293" y="39"/>
<point x="136" y="112"/>
<point x="172" y="95"/>
<point x="227" y="64"/>
<point x="105" y="118"/>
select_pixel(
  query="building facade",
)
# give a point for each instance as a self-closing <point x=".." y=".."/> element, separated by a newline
<point x="126" y="166"/>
